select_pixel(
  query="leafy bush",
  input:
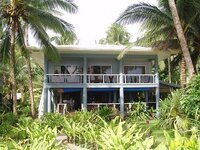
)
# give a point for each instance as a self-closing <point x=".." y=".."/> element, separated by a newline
<point x="7" y="121"/>
<point x="139" y="112"/>
<point x="181" y="141"/>
<point x="53" y="120"/>
<point x="191" y="99"/>
<point x="120" y="135"/>
<point x="171" y="112"/>
<point x="107" y="113"/>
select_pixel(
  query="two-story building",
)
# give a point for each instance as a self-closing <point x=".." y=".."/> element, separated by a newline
<point x="88" y="77"/>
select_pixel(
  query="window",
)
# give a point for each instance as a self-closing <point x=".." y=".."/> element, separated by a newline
<point x="71" y="74"/>
<point x="68" y="69"/>
<point x="100" y="70"/>
<point x="99" y="74"/>
<point x="134" y="69"/>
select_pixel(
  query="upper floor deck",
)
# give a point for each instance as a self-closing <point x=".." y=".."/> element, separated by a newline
<point x="101" y="66"/>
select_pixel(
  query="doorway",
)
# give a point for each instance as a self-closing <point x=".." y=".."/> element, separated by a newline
<point x="72" y="99"/>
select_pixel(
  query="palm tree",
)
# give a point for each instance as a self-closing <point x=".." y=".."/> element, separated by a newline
<point x="181" y="37"/>
<point x="39" y="15"/>
<point x="157" y="22"/>
<point x="65" y="39"/>
<point x="116" y="34"/>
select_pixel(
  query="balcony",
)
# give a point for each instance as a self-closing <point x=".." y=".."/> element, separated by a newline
<point x="102" y="78"/>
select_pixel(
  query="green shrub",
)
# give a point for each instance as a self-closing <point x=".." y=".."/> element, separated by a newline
<point x="119" y="135"/>
<point x="139" y="112"/>
<point x="53" y="120"/>
<point x="191" y="99"/>
<point x="106" y="113"/>
<point x="171" y="111"/>
<point x="8" y="121"/>
<point x="184" y="141"/>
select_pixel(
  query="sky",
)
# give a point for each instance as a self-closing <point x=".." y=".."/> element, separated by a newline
<point x="96" y="16"/>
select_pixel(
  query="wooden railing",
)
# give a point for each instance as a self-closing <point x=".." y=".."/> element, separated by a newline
<point x="101" y="78"/>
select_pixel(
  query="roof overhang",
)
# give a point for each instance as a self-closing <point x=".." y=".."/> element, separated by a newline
<point x="38" y="56"/>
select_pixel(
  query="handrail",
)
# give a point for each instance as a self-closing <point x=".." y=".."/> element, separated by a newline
<point x="102" y="78"/>
<point x="127" y="105"/>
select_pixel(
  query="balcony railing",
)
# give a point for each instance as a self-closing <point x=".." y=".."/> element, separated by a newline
<point x="127" y="106"/>
<point x="101" y="78"/>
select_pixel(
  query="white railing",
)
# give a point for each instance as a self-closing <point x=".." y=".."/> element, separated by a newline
<point x="127" y="106"/>
<point x="65" y="78"/>
<point x="139" y="78"/>
<point x="102" y="78"/>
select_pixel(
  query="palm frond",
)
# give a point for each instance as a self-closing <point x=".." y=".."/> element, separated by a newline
<point x="49" y="21"/>
<point x="5" y="46"/>
<point x="144" y="13"/>
<point x="43" y="40"/>
<point x="66" y="5"/>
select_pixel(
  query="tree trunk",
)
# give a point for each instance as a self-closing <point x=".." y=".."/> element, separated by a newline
<point x="181" y="38"/>
<point x="12" y="69"/>
<point x="30" y="85"/>
<point x="183" y="72"/>
<point x="169" y="69"/>
<point x="30" y="82"/>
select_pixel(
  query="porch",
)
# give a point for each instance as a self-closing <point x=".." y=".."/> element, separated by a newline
<point x="71" y="99"/>
<point x="64" y="108"/>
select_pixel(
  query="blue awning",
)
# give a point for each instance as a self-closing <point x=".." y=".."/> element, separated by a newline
<point x="102" y="89"/>
<point x="66" y="90"/>
<point x="137" y="89"/>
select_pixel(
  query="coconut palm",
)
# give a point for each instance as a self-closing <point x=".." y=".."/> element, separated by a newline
<point x="39" y="15"/>
<point x="181" y="37"/>
<point x="116" y="34"/>
<point x="157" y="22"/>
<point x="65" y="39"/>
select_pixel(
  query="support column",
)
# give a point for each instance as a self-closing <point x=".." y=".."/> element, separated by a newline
<point x="45" y="98"/>
<point x="49" y="100"/>
<point x="121" y="98"/>
<point x="157" y="91"/>
<point x="60" y="98"/>
<point x="84" y="104"/>
<point x="109" y="97"/>
<point x="121" y="90"/>
<point x="115" y="97"/>
<point x="55" y="101"/>
<point x="146" y="94"/>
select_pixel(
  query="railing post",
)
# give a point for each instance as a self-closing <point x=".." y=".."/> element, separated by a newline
<point x="139" y="78"/>
<point x="125" y="76"/>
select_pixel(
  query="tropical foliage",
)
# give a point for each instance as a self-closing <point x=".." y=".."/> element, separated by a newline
<point x="39" y="16"/>
<point x="159" y="29"/>
<point x="65" y="39"/>
<point x="87" y="130"/>
<point x="181" y="108"/>
<point x="116" y="35"/>
<point x="191" y="99"/>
